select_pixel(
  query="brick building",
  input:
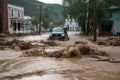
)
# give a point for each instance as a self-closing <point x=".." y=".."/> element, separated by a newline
<point x="3" y="16"/>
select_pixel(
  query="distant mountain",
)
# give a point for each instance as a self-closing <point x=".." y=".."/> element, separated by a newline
<point x="55" y="10"/>
<point x="31" y="8"/>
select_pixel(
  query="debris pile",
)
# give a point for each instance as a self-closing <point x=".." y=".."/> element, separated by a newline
<point x="20" y="44"/>
<point x="85" y="49"/>
<point x="16" y="44"/>
<point x="80" y="42"/>
<point x="80" y="48"/>
<point x="98" y="52"/>
<point x="68" y="52"/>
<point x="23" y="45"/>
<point x="3" y="44"/>
<point x="33" y="52"/>
<point x="72" y="52"/>
<point x="3" y="35"/>
<point x="110" y="41"/>
<point x="49" y="43"/>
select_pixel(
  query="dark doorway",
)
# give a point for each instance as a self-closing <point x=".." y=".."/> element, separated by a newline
<point x="14" y="25"/>
<point x="18" y="26"/>
<point x="105" y="28"/>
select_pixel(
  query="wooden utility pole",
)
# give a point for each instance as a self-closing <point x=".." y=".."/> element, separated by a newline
<point x="40" y="18"/>
<point x="95" y="20"/>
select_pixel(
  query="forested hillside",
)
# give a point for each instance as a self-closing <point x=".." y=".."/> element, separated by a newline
<point x="31" y="8"/>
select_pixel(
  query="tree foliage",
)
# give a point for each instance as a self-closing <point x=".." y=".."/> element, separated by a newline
<point x="82" y="11"/>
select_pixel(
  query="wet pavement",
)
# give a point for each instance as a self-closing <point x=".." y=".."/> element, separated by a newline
<point x="15" y="67"/>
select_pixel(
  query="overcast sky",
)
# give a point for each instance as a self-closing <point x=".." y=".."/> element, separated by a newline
<point x="51" y="1"/>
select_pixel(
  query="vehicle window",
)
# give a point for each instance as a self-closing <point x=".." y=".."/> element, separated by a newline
<point x="58" y="30"/>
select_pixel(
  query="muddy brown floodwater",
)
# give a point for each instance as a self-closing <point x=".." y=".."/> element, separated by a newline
<point x="14" y="67"/>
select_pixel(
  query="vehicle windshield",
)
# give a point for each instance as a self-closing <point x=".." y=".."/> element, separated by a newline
<point x="58" y="30"/>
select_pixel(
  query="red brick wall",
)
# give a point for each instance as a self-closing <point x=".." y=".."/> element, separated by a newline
<point x="1" y="21"/>
<point x="3" y="16"/>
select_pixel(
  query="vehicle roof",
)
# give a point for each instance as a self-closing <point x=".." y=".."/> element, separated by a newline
<point x="58" y="28"/>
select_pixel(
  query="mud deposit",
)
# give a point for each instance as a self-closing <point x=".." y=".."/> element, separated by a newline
<point x="109" y="41"/>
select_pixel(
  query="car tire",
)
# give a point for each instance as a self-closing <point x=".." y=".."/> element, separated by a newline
<point x="63" y="38"/>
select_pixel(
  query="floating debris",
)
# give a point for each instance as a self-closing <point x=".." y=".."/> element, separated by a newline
<point x="109" y="41"/>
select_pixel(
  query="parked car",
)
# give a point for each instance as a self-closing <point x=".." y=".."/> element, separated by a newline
<point x="58" y="33"/>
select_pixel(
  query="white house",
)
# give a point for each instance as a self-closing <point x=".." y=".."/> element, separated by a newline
<point x="74" y="25"/>
<point x="71" y="24"/>
<point x="16" y="20"/>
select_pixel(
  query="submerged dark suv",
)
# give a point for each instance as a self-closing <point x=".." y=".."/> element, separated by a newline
<point x="58" y="33"/>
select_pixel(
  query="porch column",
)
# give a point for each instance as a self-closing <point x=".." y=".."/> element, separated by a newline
<point x="21" y="27"/>
<point x="24" y="28"/>
<point x="35" y="27"/>
<point x="11" y="30"/>
<point x="17" y="27"/>
<point x="28" y="28"/>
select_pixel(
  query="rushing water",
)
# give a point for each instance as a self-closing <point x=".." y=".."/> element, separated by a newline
<point x="14" y="67"/>
<point x="47" y="77"/>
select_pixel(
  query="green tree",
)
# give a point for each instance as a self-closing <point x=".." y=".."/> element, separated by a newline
<point x="35" y="20"/>
<point x="77" y="9"/>
<point x="82" y="10"/>
<point x="46" y="19"/>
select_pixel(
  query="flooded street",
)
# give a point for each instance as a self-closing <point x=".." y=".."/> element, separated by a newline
<point x="30" y="37"/>
<point x="13" y="66"/>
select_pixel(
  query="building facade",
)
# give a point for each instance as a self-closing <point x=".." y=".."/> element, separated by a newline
<point x="116" y="21"/>
<point x="16" y="21"/>
<point x="112" y="25"/>
<point x="71" y="24"/>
